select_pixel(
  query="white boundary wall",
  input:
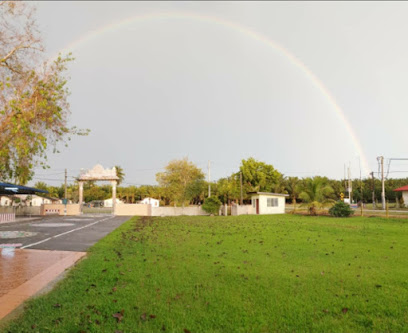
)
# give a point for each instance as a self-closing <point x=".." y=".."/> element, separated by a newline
<point x="178" y="211"/>
<point x="131" y="210"/>
<point x="59" y="209"/>
<point x="21" y="210"/>
<point x="242" y="210"/>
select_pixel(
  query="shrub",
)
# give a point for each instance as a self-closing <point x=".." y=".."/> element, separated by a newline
<point x="341" y="209"/>
<point x="212" y="205"/>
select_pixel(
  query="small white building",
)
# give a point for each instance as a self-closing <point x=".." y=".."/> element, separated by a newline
<point x="5" y="201"/>
<point x="109" y="202"/>
<point x="151" y="201"/>
<point x="404" y="190"/>
<point x="36" y="200"/>
<point x="268" y="203"/>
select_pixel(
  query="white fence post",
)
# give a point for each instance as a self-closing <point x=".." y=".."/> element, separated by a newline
<point x="7" y="217"/>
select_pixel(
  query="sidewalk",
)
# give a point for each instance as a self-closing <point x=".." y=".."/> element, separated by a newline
<point x="23" y="273"/>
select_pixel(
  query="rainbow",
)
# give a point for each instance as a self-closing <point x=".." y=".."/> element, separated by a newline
<point x="245" y="31"/>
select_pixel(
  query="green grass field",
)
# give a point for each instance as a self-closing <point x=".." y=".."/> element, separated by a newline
<point x="234" y="274"/>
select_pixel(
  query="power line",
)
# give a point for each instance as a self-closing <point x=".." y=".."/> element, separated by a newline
<point x="393" y="159"/>
<point x="49" y="174"/>
<point x="49" y="179"/>
<point x="393" y="171"/>
<point x="138" y="184"/>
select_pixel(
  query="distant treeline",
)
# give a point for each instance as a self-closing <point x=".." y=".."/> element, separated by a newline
<point x="184" y="183"/>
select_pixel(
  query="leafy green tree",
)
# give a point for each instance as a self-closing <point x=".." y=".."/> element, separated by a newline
<point x="280" y="185"/>
<point x="316" y="193"/>
<point x="96" y="193"/>
<point x="53" y="191"/>
<point x="337" y="186"/>
<point x="34" y="109"/>
<point x="41" y="186"/>
<point x="131" y="194"/>
<point x="178" y="181"/>
<point x="73" y="192"/>
<point x="196" y="191"/>
<point x="259" y="176"/>
<point x="145" y="191"/>
<point x="212" y="205"/>
<point x="228" y="189"/>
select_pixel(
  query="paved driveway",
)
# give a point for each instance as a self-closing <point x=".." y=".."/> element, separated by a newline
<point x="33" y="253"/>
<point x="63" y="233"/>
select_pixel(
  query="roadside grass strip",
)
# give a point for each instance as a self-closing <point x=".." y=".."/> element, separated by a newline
<point x="234" y="274"/>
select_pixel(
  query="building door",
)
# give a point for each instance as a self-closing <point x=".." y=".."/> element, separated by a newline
<point x="257" y="206"/>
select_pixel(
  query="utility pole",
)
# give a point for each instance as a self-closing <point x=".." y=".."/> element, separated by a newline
<point x="373" y="188"/>
<point x="345" y="179"/>
<point x="361" y="187"/>
<point x="66" y="190"/>
<point x="350" y="185"/>
<point x="65" y="201"/>
<point x="209" y="179"/>
<point x="240" y="181"/>
<point x="381" y="159"/>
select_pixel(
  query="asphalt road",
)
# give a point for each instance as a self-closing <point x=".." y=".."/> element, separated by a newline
<point x="64" y="233"/>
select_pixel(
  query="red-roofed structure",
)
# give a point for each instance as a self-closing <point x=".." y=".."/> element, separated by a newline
<point x="401" y="189"/>
<point x="404" y="190"/>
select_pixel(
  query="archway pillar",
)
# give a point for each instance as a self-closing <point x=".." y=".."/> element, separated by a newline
<point x="114" y="183"/>
<point x="81" y="195"/>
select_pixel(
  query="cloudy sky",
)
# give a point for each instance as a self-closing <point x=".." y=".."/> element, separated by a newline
<point x="306" y="87"/>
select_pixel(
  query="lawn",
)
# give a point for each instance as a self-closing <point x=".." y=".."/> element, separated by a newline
<point x="234" y="274"/>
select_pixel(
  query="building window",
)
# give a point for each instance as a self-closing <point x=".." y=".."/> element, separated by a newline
<point x="272" y="202"/>
<point x="253" y="203"/>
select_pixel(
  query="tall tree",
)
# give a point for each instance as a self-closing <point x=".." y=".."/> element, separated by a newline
<point x="33" y="95"/>
<point x="181" y="181"/>
<point x="279" y="186"/>
<point x="259" y="176"/>
<point x="41" y="186"/>
<point x="229" y="188"/>
<point x="316" y="193"/>
<point x="120" y="173"/>
<point x="97" y="193"/>
<point x="293" y="189"/>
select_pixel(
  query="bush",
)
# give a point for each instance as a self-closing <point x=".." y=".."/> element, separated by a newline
<point x="341" y="209"/>
<point x="212" y="205"/>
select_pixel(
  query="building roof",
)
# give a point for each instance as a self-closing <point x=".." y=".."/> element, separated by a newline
<point x="6" y="188"/>
<point x="269" y="193"/>
<point x="403" y="188"/>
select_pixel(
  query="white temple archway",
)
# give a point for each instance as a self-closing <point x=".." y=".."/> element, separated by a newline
<point x="98" y="173"/>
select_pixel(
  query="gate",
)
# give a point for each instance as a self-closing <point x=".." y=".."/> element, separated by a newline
<point x="96" y="207"/>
